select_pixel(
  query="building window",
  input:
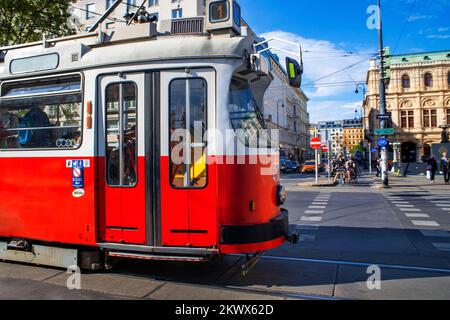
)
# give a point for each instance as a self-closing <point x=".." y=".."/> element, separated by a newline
<point x="90" y="11"/>
<point x="153" y="3"/>
<point x="448" y="116"/>
<point x="109" y="3"/>
<point x="429" y="118"/>
<point x="407" y="120"/>
<point x="131" y="4"/>
<point x="406" y="82"/>
<point x="177" y="13"/>
<point x="428" y="78"/>
<point x="448" y="78"/>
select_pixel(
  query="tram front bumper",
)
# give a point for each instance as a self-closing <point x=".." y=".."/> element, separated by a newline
<point x="258" y="233"/>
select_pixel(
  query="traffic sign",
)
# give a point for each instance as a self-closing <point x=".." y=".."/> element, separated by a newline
<point x="383" y="142"/>
<point x="316" y="143"/>
<point x="385" y="132"/>
<point x="374" y="150"/>
<point x="325" y="149"/>
<point x="386" y="116"/>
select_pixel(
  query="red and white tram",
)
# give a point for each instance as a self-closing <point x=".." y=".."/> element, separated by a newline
<point x="87" y="127"/>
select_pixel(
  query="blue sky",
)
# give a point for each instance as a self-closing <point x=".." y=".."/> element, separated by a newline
<point x="334" y="35"/>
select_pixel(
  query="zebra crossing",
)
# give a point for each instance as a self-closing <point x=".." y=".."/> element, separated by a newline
<point x="440" y="239"/>
<point x="313" y="215"/>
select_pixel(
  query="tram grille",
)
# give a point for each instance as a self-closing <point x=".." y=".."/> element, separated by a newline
<point x="188" y="26"/>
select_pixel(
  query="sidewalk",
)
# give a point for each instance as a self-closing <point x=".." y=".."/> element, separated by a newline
<point x="414" y="183"/>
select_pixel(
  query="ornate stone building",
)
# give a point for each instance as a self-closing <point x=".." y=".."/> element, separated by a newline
<point x="418" y="96"/>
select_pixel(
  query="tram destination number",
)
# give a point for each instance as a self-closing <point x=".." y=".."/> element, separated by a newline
<point x="225" y="310"/>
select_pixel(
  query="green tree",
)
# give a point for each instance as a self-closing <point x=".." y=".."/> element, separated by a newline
<point x="24" y="21"/>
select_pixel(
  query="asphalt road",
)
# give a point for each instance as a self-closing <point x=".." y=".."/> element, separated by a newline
<point x="405" y="231"/>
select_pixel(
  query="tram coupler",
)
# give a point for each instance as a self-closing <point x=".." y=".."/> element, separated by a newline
<point x="20" y="245"/>
<point x="251" y="262"/>
<point x="293" y="238"/>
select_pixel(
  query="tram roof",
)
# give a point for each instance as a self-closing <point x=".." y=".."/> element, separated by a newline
<point x="127" y="45"/>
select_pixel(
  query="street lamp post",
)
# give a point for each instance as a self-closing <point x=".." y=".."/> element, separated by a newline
<point x="382" y="92"/>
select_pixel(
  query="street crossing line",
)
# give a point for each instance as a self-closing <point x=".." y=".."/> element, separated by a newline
<point x="307" y="227"/>
<point x="314" y="211"/>
<point x="400" y="202"/>
<point x="317" y="207"/>
<point x="435" y="233"/>
<point x="404" y="205"/>
<point x="425" y="223"/>
<point x="417" y="215"/>
<point x="442" y="246"/>
<point x="410" y="209"/>
<point x="313" y="219"/>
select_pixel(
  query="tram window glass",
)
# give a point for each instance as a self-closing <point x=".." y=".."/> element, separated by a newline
<point x="121" y="142"/>
<point x="237" y="14"/>
<point x="245" y="114"/>
<point x="41" y="114"/>
<point x="188" y="118"/>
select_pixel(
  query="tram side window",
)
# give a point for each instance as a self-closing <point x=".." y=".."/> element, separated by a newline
<point x="245" y="114"/>
<point x="188" y="124"/>
<point x="121" y="143"/>
<point x="45" y="114"/>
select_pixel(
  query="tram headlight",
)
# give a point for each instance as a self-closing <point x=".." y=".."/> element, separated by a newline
<point x="281" y="195"/>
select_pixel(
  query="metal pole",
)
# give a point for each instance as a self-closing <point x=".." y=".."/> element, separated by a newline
<point x="370" y="158"/>
<point x="317" y="167"/>
<point x="382" y="92"/>
<point x="329" y="159"/>
<point x="105" y="15"/>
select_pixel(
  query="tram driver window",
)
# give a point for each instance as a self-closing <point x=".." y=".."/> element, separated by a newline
<point x="41" y="114"/>
<point x="245" y="115"/>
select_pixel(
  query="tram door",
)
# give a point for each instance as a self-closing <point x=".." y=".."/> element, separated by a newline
<point x="188" y="179"/>
<point x="121" y="149"/>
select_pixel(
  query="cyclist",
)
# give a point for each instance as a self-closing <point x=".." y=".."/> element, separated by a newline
<point x="339" y="166"/>
<point x="350" y="167"/>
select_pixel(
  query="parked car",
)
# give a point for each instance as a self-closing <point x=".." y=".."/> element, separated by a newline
<point x="290" y="166"/>
<point x="309" y="166"/>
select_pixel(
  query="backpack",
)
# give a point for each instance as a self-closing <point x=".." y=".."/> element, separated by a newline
<point x="34" y="118"/>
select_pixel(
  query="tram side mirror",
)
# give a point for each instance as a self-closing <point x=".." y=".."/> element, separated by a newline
<point x="295" y="72"/>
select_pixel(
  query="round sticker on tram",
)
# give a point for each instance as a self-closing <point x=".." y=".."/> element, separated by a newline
<point x="78" y="193"/>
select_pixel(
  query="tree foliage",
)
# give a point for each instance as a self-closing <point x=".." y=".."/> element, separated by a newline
<point x="24" y="21"/>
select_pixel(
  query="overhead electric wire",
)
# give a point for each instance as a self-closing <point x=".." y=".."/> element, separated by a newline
<point x="405" y="25"/>
<point x="340" y="70"/>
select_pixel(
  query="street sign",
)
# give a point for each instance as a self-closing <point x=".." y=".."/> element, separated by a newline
<point x="383" y="142"/>
<point x="325" y="149"/>
<point x="387" y="116"/>
<point x="316" y="143"/>
<point x="385" y="132"/>
<point x="374" y="150"/>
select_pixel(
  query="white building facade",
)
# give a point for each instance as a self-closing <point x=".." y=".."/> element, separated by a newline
<point x="86" y="12"/>
<point x="286" y="108"/>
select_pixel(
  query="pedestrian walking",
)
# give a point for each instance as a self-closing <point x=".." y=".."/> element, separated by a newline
<point x="445" y="167"/>
<point x="378" y="166"/>
<point x="432" y="168"/>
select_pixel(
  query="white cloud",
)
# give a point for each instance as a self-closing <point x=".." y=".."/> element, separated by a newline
<point x="443" y="29"/>
<point x="438" y="36"/>
<point x="416" y="18"/>
<point x="322" y="58"/>
<point x="333" y="110"/>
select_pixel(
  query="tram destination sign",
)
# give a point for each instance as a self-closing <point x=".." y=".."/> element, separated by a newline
<point x="385" y="132"/>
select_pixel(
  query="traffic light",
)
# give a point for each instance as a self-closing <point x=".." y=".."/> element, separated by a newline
<point x="387" y="63"/>
<point x="295" y="71"/>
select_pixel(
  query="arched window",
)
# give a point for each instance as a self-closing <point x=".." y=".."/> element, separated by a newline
<point x="406" y="82"/>
<point x="448" y="78"/>
<point x="428" y="80"/>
